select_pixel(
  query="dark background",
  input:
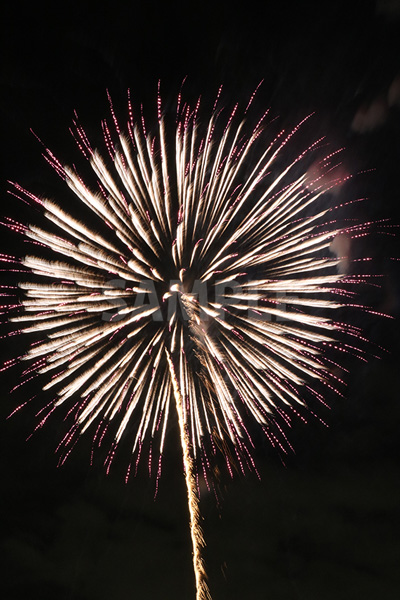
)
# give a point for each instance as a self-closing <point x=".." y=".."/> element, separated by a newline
<point x="324" y="525"/>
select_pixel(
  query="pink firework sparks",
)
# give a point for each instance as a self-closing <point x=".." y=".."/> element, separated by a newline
<point x="207" y="275"/>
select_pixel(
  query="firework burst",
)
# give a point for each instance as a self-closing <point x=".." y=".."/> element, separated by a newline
<point x="201" y="276"/>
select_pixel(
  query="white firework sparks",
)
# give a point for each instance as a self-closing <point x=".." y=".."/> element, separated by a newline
<point x="197" y="278"/>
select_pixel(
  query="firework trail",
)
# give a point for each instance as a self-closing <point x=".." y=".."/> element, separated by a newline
<point x="193" y="500"/>
<point x="201" y="274"/>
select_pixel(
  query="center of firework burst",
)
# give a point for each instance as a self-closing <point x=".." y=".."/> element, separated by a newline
<point x="187" y="301"/>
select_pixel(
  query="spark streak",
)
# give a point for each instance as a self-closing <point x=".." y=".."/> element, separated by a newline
<point x="202" y="592"/>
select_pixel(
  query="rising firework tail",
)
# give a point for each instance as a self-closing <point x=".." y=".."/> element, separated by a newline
<point x="204" y="277"/>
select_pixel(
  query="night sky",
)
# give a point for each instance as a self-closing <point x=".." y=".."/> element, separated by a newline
<point x="324" y="521"/>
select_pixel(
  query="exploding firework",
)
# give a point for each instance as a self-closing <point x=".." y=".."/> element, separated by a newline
<point x="200" y="275"/>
